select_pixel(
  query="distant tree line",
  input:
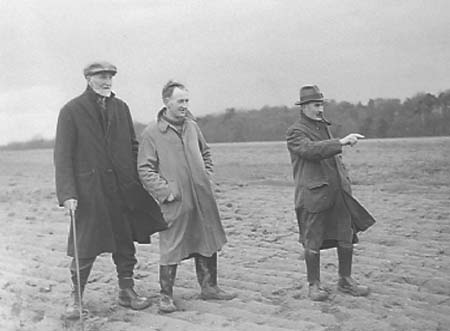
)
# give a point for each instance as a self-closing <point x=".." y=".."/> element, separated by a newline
<point x="34" y="143"/>
<point x="424" y="114"/>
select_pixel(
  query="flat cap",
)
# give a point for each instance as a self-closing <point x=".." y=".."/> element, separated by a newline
<point x="97" y="67"/>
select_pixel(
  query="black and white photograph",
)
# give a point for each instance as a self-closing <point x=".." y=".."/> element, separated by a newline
<point x="215" y="165"/>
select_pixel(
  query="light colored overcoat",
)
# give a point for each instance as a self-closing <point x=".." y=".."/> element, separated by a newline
<point x="179" y="162"/>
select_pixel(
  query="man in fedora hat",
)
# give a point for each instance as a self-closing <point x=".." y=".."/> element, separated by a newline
<point x="95" y="160"/>
<point x="327" y="214"/>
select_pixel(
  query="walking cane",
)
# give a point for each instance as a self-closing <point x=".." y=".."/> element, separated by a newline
<point x="77" y="266"/>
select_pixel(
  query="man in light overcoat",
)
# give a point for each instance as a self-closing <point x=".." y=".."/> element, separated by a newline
<point x="175" y="166"/>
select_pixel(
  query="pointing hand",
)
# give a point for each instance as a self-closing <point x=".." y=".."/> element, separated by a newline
<point x="351" y="139"/>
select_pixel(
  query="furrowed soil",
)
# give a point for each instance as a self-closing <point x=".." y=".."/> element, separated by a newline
<point x="404" y="257"/>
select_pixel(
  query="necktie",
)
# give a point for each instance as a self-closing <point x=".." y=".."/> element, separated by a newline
<point x="103" y="112"/>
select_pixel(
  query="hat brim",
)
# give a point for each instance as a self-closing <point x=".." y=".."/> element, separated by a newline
<point x="298" y="103"/>
<point x="101" y="71"/>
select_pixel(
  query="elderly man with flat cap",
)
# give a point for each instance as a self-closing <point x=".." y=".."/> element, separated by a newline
<point x="327" y="214"/>
<point x="96" y="180"/>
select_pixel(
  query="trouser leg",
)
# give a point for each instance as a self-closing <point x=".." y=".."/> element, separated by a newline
<point x="312" y="261"/>
<point x="125" y="260"/>
<point x="124" y="257"/>
<point x="72" y="310"/>
<point x="85" y="269"/>
<point x="345" y="257"/>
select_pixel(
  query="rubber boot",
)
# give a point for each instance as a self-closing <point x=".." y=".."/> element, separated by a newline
<point x="167" y="274"/>
<point x="129" y="298"/>
<point x="206" y="269"/>
<point x="315" y="291"/>
<point x="346" y="283"/>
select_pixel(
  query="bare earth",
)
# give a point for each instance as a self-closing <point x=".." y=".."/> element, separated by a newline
<point x="404" y="257"/>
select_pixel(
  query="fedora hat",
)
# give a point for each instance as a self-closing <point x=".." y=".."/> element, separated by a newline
<point x="98" y="67"/>
<point x="309" y="93"/>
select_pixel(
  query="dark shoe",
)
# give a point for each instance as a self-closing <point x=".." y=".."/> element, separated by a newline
<point x="317" y="293"/>
<point x="350" y="286"/>
<point x="72" y="310"/>
<point x="166" y="304"/>
<point x="129" y="298"/>
<point x="216" y="293"/>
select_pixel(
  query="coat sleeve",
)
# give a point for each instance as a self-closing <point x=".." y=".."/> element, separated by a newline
<point x="63" y="152"/>
<point x="134" y="142"/>
<point x="148" y="169"/>
<point x="204" y="149"/>
<point x="300" y="144"/>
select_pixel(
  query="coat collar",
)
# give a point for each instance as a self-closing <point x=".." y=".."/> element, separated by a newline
<point x="310" y="122"/>
<point x="163" y="125"/>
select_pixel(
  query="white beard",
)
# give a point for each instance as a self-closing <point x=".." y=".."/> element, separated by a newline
<point x="102" y="92"/>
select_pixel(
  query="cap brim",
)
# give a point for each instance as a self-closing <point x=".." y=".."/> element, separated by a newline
<point x="101" y="71"/>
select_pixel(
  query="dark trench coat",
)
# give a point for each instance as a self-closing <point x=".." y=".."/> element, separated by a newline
<point x="322" y="184"/>
<point x="97" y="166"/>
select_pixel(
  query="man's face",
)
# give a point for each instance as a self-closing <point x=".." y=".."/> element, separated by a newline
<point x="314" y="110"/>
<point x="177" y="104"/>
<point x="101" y="83"/>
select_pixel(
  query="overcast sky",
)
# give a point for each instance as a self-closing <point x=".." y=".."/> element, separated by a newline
<point x="242" y="53"/>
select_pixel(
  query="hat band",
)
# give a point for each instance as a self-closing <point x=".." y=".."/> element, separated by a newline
<point x="316" y="96"/>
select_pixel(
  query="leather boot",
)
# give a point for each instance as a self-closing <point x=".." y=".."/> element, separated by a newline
<point x="129" y="298"/>
<point x="346" y="283"/>
<point x="167" y="274"/>
<point x="315" y="291"/>
<point x="72" y="310"/>
<point x="206" y="269"/>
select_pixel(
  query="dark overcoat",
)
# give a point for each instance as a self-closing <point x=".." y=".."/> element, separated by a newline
<point x="95" y="163"/>
<point x="321" y="180"/>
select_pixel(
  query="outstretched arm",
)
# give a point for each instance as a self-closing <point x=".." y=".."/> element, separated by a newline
<point x="299" y="143"/>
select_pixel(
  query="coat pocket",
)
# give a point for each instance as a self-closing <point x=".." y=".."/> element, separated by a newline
<point x="171" y="210"/>
<point x="317" y="196"/>
<point x="173" y="187"/>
